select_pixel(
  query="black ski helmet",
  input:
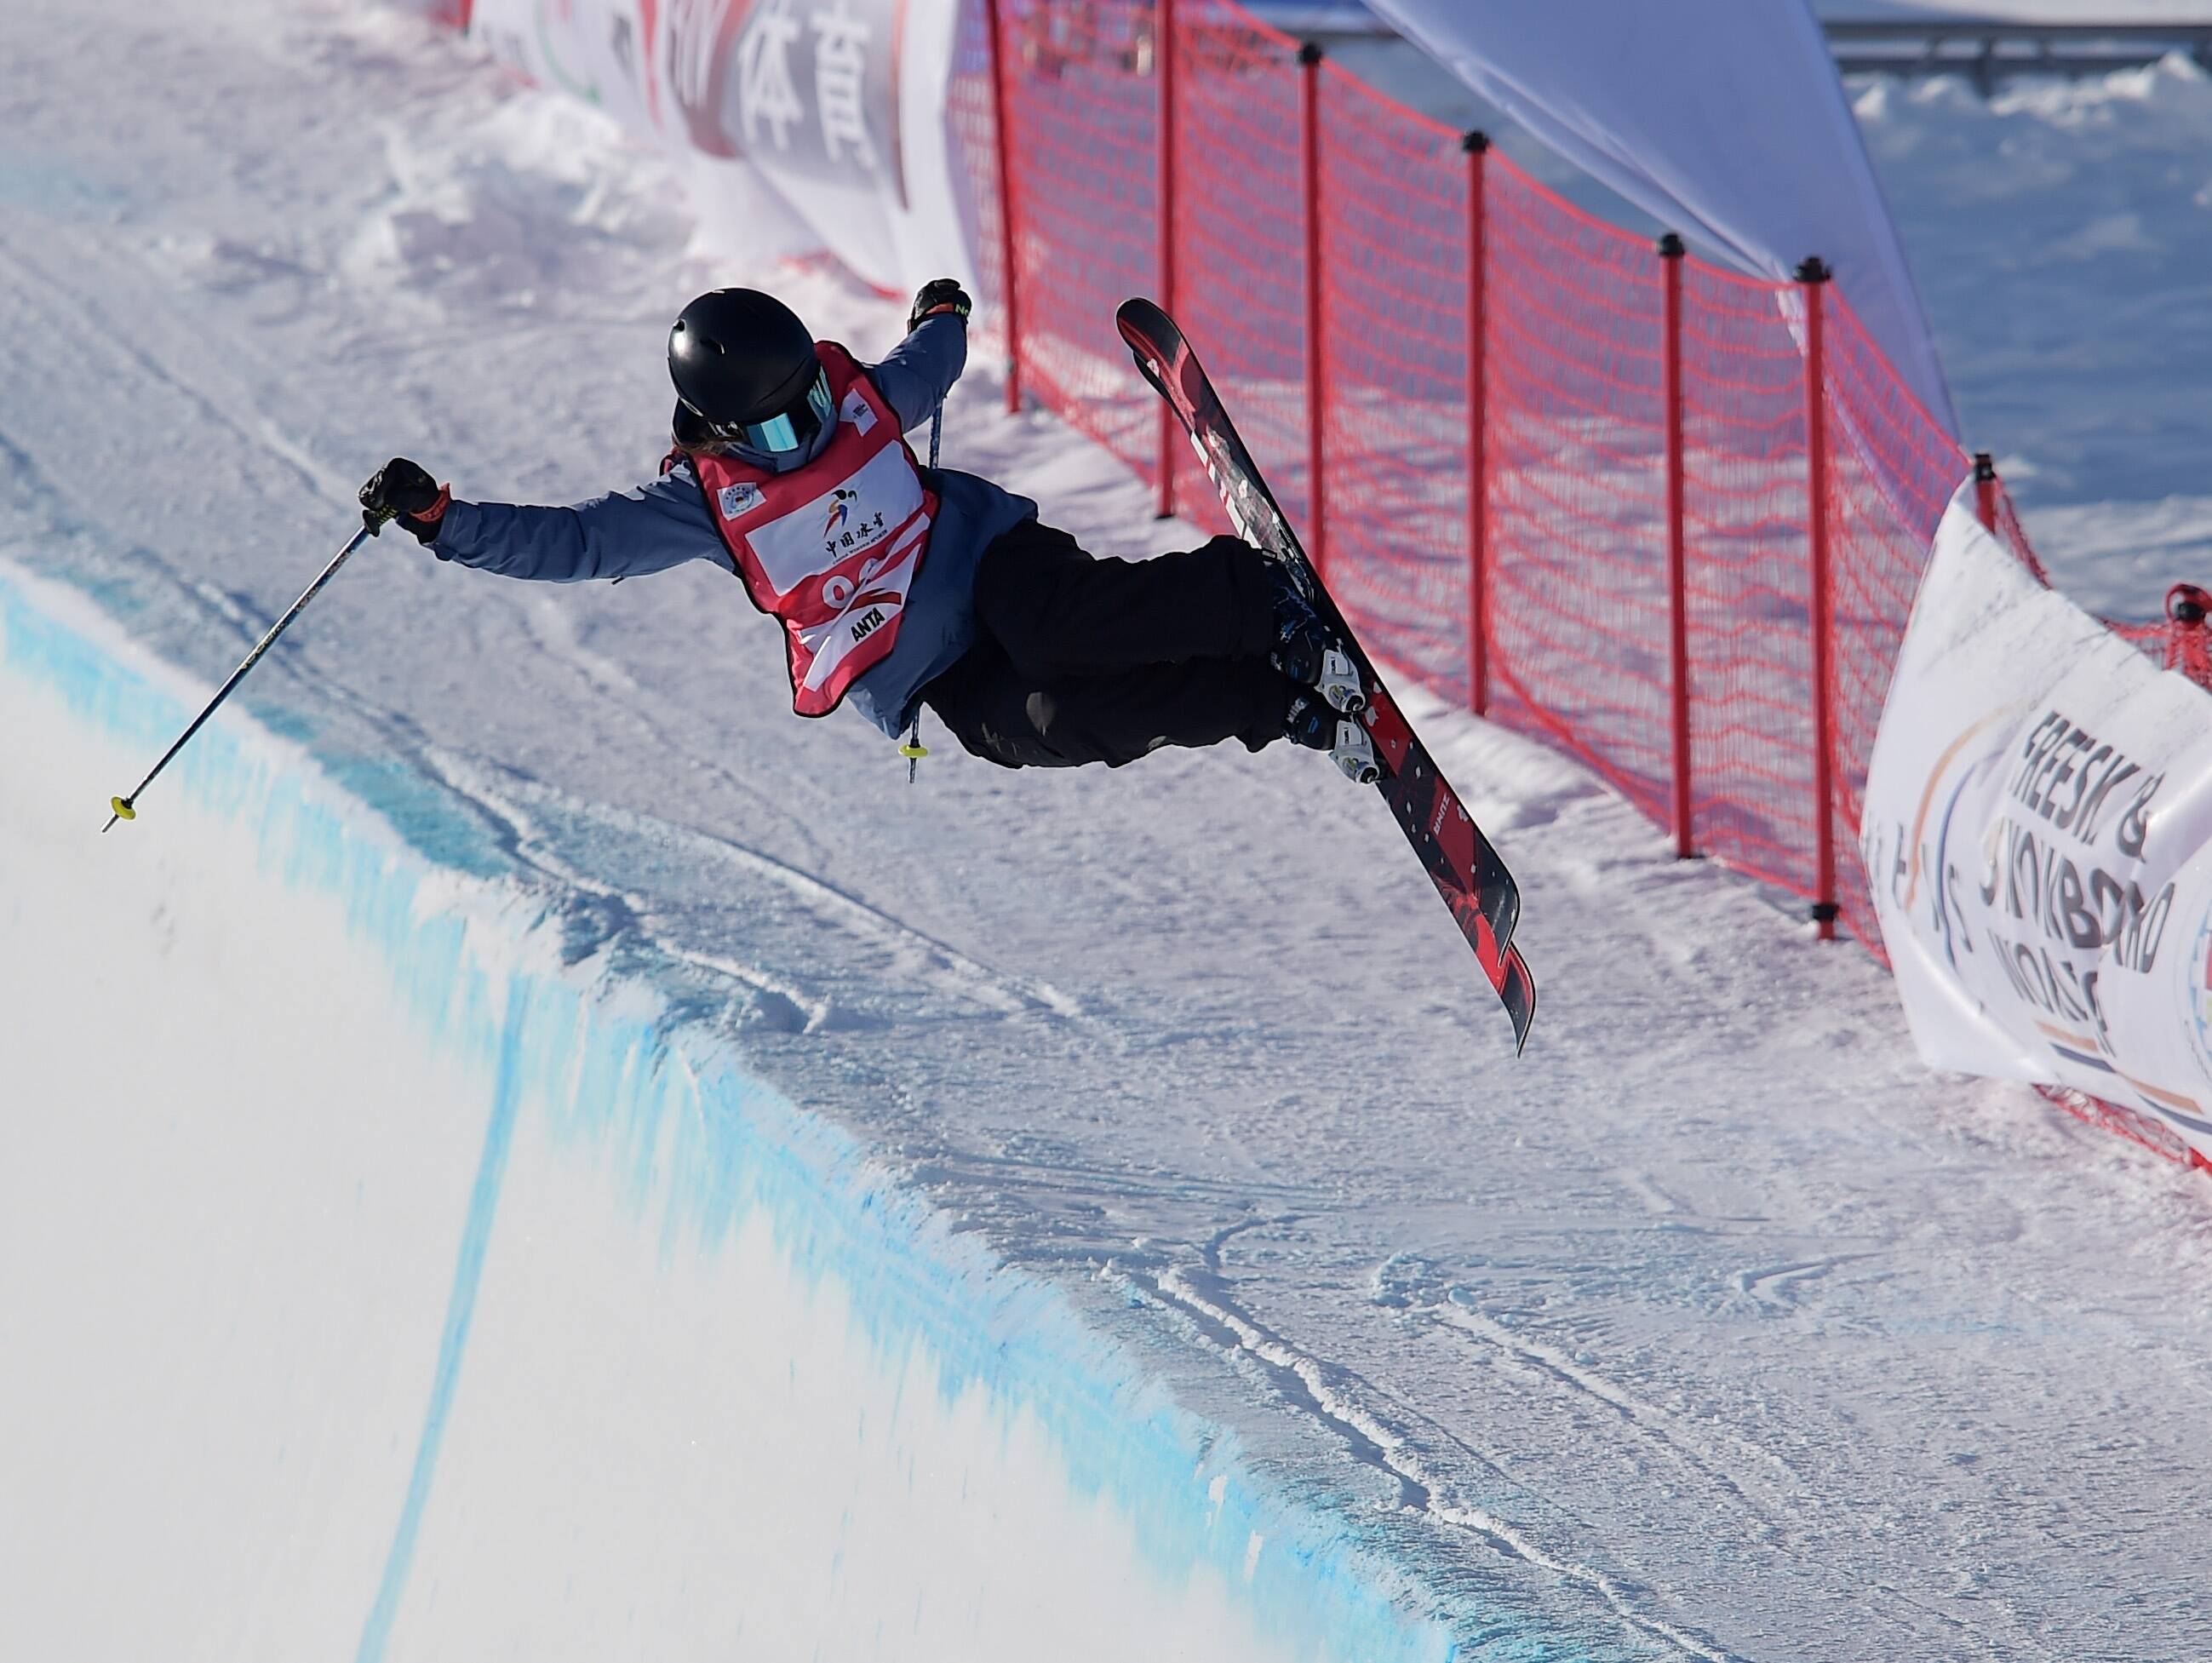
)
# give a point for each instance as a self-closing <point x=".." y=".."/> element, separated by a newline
<point x="739" y="357"/>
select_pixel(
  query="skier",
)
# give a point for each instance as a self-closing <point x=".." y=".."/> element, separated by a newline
<point x="900" y="585"/>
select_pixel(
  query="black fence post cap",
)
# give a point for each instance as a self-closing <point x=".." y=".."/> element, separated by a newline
<point x="1985" y="467"/>
<point x="1474" y="143"/>
<point x="1813" y="269"/>
<point x="1670" y="246"/>
<point x="1309" y="52"/>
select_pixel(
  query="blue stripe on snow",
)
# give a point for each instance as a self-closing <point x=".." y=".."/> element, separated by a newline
<point x="460" y="1312"/>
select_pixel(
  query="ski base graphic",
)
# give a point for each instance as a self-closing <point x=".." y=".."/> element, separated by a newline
<point x="1484" y="900"/>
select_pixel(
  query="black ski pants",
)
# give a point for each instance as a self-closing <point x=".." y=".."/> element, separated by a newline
<point x="1081" y="660"/>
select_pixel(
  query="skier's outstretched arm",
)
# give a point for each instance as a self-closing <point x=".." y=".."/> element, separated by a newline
<point x="920" y="370"/>
<point x="625" y="533"/>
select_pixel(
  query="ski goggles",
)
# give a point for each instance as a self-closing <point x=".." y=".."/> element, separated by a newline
<point x="783" y="434"/>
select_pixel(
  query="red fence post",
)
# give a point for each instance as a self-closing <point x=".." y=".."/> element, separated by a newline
<point x="1003" y="141"/>
<point x="1811" y="282"/>
<point x="1678" y="606"/>
<point x="1316" y="384"/>
<point x="1164" y="64"/>
<point x="1985" y="490"/>
<point x="1477" y="147"/>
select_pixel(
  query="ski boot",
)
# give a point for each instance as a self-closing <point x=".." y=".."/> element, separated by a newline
<point x="1317" y="725"/>
<point x="1309" y="652"/>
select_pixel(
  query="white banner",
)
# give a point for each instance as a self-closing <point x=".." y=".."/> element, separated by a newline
<point x="2037" y="822"/>
<point x="803" y="125"/>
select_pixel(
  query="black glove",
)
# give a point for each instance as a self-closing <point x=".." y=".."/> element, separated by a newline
<point x="401" y="491"/>
<point x="939" y="295"/>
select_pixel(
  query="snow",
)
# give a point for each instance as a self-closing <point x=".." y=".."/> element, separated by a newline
<point x="389" y="1282"/>
<point x="2061" y="232"/>
<point x="1713" y="1328"/>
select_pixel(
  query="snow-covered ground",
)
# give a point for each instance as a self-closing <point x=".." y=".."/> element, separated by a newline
<point x="388" y="1280"/>
<point x="2061" y="232"/>
<point x="1713" y="1328"/>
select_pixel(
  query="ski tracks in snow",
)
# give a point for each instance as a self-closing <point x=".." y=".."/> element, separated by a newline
<point x="1370" y="1427"/>
<point x="899" y="954"/>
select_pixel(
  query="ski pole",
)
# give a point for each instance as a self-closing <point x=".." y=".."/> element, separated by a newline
<point x="126" y="807"/>
<point x="914" y="750"/>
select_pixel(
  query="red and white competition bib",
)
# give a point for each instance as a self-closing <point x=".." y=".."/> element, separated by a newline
<point x="830" y="549"/>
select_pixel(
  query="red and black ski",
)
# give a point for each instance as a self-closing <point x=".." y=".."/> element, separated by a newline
<point x="1484" y="899"/>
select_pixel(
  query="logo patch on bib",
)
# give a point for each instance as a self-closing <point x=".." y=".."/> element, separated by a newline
<point x="739" y="499"/>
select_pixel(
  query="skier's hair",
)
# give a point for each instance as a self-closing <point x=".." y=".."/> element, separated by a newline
<point x="694" y="438"/>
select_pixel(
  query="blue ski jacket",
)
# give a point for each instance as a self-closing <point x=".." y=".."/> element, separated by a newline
<point x="665" y="521"/>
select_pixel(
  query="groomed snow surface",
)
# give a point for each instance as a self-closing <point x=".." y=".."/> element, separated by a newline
<point x="526" y="1150"/>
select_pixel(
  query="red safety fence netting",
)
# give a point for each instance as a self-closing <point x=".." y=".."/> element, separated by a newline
<point x="1750" y="697"/>
<point x="1562" y="475"/>
<point x="1082" y="178"/>
<point x="1575" y="603"/>
<point x="1393" y="230"/>
<point x="1668" y="518"/>
<point x="972" y="123"/>
<point x="1576" y="480"/>
<point x="1237" y="276"/>
<point x="1890" y="471"/>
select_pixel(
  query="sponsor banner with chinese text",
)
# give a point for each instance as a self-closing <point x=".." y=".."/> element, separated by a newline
<point x="2037" y="815"/>
<point x="804" y="126"/>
